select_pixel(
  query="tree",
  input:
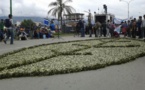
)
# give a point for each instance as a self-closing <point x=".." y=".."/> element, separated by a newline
<point x="27" y="23"/>
<point x="60" y="8"/>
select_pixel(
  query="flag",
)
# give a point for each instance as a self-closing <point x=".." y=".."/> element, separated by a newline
<point x="46" y="22"/>
<point x="117" y="21"/>
<point x="118" y="29"/>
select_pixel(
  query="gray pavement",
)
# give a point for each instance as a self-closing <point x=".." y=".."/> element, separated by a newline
<point x="129" y="76"/>
<point x="4" y="48"/>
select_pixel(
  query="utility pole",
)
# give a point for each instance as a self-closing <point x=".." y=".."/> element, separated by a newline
<point x="11" y="7"/>
<point x="128" y="3"/>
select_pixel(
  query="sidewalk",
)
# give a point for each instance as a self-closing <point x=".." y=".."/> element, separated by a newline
<point x="4" y="48"/>
<point x="129" y="76"/>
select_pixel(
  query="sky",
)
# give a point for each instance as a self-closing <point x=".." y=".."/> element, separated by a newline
<point x="40" y="7"/>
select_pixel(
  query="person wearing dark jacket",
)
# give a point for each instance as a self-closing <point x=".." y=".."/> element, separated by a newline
<point x="77" y="29"/>
<point x="139" y="23"/>
<point x="1" y="30"/>
<point x="143" y="27"/>
<point x="81" y="24"/>
<point x="104" y="26"/>
<point x="10" y="32"/>
<point x="133" y="29"/>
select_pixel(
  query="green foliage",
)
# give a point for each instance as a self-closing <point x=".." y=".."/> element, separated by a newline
<point x="60" y="7"/>
<point x="27" y="23"/>
<point x="68" y="57"/>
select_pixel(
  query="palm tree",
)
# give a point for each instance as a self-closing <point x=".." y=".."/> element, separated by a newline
<point x="60" y="8"/>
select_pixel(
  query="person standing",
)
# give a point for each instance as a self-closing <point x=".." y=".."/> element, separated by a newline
<point x="52" y="26"/>
<point x="128" y="28"/>
<point x="82" y="27"/>
<point x="112" y="27"/>
<point x="97" y="29"/>
<point x="109" y="30"/>
<point x="139" y="22"/>
<point x="1" y="30"/>
<point x="143" y="28"/>
<point x="87" y="29"/>
<point x="124" y="28"/>
<point x="53" y="29"/>
<point x="77" y="29"/>
<point x="90" y="29"/>
<point x="104" y="27"/>
<point x="9" y="26"/>
<point x="133" y="29"/>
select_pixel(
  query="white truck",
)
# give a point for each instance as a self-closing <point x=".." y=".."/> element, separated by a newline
<point x="103" y="17"/>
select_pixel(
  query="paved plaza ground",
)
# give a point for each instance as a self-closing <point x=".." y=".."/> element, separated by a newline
<point x="129" y="76"/>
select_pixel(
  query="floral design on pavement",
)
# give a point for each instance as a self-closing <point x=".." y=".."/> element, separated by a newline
<point x="68" y="57"/>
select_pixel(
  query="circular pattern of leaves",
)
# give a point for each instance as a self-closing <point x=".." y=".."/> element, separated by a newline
<point x="68" y="57"/>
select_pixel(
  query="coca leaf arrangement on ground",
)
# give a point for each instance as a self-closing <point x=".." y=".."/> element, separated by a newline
<point x="68" y="57"/>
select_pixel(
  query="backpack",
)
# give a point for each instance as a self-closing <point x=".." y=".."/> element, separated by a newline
<point x="7" y="23"/>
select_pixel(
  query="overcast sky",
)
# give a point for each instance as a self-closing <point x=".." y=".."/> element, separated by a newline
<point x="40" y="7"/>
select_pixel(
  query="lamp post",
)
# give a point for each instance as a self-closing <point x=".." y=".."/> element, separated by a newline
<point x="11" y="7"/>
<point x="95" y="16"/>
<point x="128" y="3"/>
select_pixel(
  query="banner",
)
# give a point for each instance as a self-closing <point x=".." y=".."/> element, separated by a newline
<point x="118" y="21"/>
<point x="46" y="22"/>
<point x="118" y="29"/>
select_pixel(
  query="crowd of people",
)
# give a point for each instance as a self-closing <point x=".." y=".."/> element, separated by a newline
<point x="131" y="28"/>
<point x="10" y="31"/>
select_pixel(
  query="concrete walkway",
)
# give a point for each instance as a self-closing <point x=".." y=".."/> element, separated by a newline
<point x="129" y="76"/>
<point x="27" y="43"/>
